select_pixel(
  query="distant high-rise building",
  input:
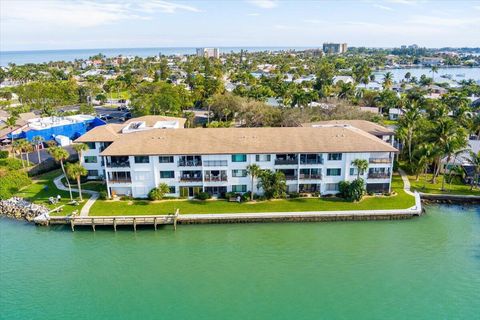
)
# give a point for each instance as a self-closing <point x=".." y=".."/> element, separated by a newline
<point x="334" y="48"/>
<point x="208" y="52"/>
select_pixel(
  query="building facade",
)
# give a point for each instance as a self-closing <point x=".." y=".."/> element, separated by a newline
<point x="334" y="48"/>
<point x="189" y="161"/>
<point x="208" y="52"/>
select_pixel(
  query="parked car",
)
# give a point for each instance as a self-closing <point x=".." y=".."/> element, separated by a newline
<point x="123" y="108"/>
<point x="105" y="117"/>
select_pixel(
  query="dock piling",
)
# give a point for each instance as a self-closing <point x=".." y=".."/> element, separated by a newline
<point x="115" y="224"/>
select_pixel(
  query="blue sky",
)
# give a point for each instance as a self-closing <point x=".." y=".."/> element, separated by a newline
<point x="76" y="24"/>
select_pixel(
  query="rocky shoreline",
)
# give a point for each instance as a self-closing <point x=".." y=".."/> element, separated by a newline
<point x="21" y="209"/>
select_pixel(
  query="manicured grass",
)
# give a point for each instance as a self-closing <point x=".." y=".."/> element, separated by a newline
<point x="92" y="185"/>
<point x="144" y="207"/>
<point x="43" y="187"/>
<point x="457" y="186"/>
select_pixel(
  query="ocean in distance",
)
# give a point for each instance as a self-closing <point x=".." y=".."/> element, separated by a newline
<point x="424" y="268"/>
<point x="41" y="56"/>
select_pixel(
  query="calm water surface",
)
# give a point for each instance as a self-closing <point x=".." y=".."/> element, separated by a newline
<point x="425" y="268"/>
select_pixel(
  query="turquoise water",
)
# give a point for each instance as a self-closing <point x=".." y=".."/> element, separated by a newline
<point x="425" y="268"/>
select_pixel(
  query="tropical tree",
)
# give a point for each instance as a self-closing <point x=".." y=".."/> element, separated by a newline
<point x="254" y="172"/>
<point x="60" y="155"/>
<point x="408" y="124"/>
<point x="361" y="165"/>
<point x="434" y="70"/>
<point x="80" y="148"/>
<point x="273" y="184"/>
<point x="11" y="123"/>
<point x="37" y="141"/>
<point x="76" y="171"/>
<point x="474" y="160"/>
<point x="387" y="80"/>
<point x="17" y="146"/>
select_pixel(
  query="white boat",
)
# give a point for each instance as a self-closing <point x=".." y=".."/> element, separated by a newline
<point x="461" y="75"/>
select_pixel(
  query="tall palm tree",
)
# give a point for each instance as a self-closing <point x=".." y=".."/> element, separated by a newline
<point x="474" y="160"/>
<point x="17" y="146"/>
<point x="76" y="171"/>
<point x="60" y="155"/>
<point x="387" y="80"/>
<point x="254" y="172"/>
<point x="434" y="70"/>
<point x="409" y="123"/>
<point x="38" y="140"/>
<point x="361" y="165"/>
<point x="11" y="123"/>
<point x="80" y="148"/>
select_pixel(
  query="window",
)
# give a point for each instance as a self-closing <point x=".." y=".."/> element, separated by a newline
<point x="239" y="173"/>
<point x="239" y="188"/>
<point x="165" y="159"/>
<point x="353" y="171"/>
<point x="262" y="157"/>
<point x="331" y="186"/>
<point x="91" y="145"/>
<point x="167" y="174"/>
<point x="142" y="159"/>
<point x="334" y="172"/>
<point x="239" y="157"/>
<point x="334" y="156"/>
<point x="171" y="189"/>
<point x="90" y="159"/>
<point x="92" y="173"/>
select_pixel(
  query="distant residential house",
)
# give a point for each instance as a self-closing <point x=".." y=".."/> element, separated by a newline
<point x="394" y="113"/>
<point x="431" y="61"/>
<point x="375" y="86"/>
<point x="370" y="109"/>
<point x="344" y="79"/>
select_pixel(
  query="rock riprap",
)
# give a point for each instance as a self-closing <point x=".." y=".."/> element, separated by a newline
<point x="19" y="208"/>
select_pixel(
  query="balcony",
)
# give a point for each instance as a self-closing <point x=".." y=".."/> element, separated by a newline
<point x="126" y="180"/>
<point x="379" y="160"/>
<point x="123" y="164"/>
<point x="286" y="161"/>
<point x="215" y="178"/>
<point x="191" y="178"/>
<point x="215" y="163"/>
<point x="190" y="163"/>
<point x="310" y="176"/>
<point x="311" y="161"/>
<point x="379" y="175"/>
<point x="291" y="177"/>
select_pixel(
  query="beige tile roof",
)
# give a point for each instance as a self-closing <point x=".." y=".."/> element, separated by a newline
<point x="106" y="133"/>
<point x="151" y="120"/>
<point x="246" y="140"/>
<point x="364" y="125"/>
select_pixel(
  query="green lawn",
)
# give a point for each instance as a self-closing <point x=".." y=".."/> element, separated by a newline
<point x="43" y="187"/>
<point x="144" y="207"/>
<point x="457" y="187"/>
<point x="89" y="185"/>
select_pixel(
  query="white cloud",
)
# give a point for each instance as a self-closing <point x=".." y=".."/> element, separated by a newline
<point x="407" y="2"/>
<point x="165" y="6"/>
<point x="264" y="4"/>
<point x="379" y="6"/>
<point x="436" y="21"/>
<point x="83" y="13"/>
<point x="476" y="7"/>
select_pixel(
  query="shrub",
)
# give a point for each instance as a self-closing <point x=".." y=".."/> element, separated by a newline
<point x="103" y="195"/>
<point x="159" y="192"/>
<point x="3" y="154"/>
<point x="126" y="198"/>
<point x="11" y="164"/>
<point x="293" y="195"/>
<point x="273" y="184"/>
<point x="246" y="196"/>
<point x="352" y="191"/>
<point x="203" y="196"/>
<point x="11" y="182"/>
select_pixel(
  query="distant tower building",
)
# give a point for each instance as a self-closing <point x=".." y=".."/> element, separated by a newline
<point x="334" y="48"/>
<point x="208" y="52"/>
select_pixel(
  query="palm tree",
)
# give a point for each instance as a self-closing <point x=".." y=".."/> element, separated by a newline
<point x="17" y="146"/>
<point x="60" y="155"/>
<point x="409" y="123"/>
<point x="38" y="140"/>
<point x="254" y="171"/>
<point x="76" y="171"/>
<point x="361" y="165"/>
<point x="433" y="71"/>
<point x="408" y="75"/>
<point x="79" y="148"/>
<point x="474" y="160"/>
<point x="11" y="123"/>
<point x="387" y="80"/>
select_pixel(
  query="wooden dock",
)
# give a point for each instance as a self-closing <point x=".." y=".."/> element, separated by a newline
<point x="113" y="221"/>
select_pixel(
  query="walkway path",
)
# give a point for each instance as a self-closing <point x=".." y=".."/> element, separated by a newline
<point x="406" y="182"/>
<point x="88" y="204"/>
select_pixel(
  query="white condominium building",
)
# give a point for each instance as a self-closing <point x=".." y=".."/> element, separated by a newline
<point x="135" y="157"/>
<point x="208" y="52"/>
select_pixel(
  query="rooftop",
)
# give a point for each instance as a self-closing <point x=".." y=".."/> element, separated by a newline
<point x="337" y="138"/>
<point x="367" y="126"/>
